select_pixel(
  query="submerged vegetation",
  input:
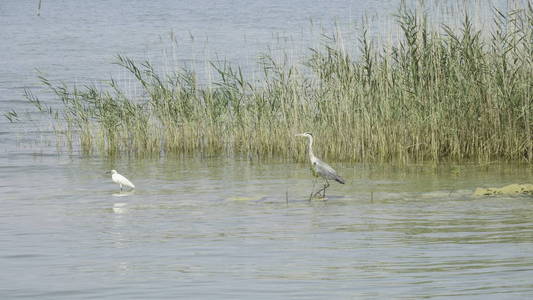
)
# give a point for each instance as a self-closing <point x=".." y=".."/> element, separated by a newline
<point x="437" y="93"/>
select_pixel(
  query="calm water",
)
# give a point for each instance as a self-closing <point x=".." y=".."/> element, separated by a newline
<point x="224" y="229"/>
<point x="231" y="228"/>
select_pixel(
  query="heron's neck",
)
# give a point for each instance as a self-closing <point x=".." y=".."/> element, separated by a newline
<point x="311" y="154"/>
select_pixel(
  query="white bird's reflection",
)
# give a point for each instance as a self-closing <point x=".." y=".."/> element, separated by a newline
<point x="119" y="208"/>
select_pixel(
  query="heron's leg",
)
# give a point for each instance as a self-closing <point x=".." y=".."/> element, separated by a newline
<point x="120" y="187"/>
<point x="322" y="190"/>
<point x="312" y="189"/>
<point x="325" y="187"/>
<point x="317" y="193"/>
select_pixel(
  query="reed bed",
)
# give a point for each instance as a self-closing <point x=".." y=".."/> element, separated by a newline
<point x="435" y="94"/>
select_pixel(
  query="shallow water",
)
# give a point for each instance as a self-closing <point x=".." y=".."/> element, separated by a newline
<point x="212" y="228"/>
<point x="229" y="227"/>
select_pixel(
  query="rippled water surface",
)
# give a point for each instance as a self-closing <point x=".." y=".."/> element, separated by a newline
<point x="231" y="228"/>
<point x="237" y="228"/>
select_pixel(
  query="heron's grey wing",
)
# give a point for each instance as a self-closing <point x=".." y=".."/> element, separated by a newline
<point x="324" y="169"/>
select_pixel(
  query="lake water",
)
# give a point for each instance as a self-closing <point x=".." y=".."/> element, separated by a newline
<point x="230" y="227"/>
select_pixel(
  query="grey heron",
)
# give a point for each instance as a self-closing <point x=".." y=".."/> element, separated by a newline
<point x="321" y="168"/>
<point x="121" y="180"/>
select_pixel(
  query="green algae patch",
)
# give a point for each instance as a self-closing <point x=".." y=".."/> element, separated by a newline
<point x="252" y="198"/>
<point x="512" y="189"/>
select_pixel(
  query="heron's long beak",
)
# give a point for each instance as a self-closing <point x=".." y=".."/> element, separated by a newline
<point x="299" y="134"/>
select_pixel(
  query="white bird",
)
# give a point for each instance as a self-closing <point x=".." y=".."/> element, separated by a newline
<point x="321" y="168"/>
<point x="121" y="180"/>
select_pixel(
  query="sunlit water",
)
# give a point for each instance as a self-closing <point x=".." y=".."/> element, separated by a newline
<point x="230" y="227"/>
<point x="210" y="228"/>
